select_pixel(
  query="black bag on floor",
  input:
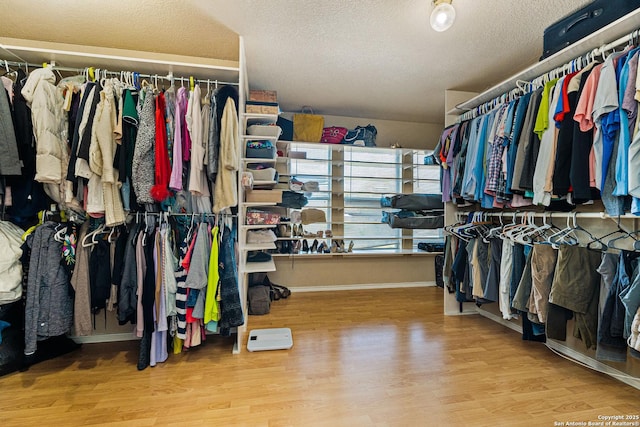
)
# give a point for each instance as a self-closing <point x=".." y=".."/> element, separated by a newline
<point x="259" y="299"/>
<point x="12" y="337"/>
<point x="583" y="22"/>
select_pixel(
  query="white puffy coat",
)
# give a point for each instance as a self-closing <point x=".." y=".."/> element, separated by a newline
<point x="50" y="129"/>
<point x="10" y="266"/>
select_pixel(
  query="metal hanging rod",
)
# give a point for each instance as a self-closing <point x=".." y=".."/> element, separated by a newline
<point x="523" y="86"/>
<point x="169" y="77"/>
<point x="530" y="214"/>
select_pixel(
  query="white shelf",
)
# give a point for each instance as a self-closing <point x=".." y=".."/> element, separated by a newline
<point x="259" y="246"/>
<point x="259" y="137"/>
<point x="258" y="226"/>
<point x="260" y="267"/>
<point x="256" y="118"/>
<point x="264" y="183"/>
<point x="607" y="34"/>
<point x="257" y="160"/>
<point x="362" y="253"/>
<point x="258" y="204"/>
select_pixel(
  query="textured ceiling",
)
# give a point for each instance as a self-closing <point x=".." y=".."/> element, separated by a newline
<point x="165" y="26"/>
<point x="380" y="58"/>
<point x="359" y="58"/>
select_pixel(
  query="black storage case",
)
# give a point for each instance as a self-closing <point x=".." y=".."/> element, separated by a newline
<point x="583" y="22"/>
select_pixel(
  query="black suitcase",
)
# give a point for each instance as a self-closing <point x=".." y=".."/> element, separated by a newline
<point x="583" y="22"/>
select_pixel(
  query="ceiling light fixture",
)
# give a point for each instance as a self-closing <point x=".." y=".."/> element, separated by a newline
<point x="443" y="15"/>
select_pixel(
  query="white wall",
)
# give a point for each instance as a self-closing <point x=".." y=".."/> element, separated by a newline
<point x="407" y="134"/>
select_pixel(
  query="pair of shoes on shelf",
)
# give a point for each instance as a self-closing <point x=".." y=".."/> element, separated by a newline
<point x="258" y="256"/>
<point x="328" y="234"/>
<point x="314" y="246"/>
<point x="295" y="184"/>
<point x="305" y="246"/>
<point x="323" y="248"/>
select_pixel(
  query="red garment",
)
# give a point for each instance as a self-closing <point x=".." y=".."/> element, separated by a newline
<point x="186" y="261"/>
<point x="565" y="98"/>
<point x="160" y="191"/>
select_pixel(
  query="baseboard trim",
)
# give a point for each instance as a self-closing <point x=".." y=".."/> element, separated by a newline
<point x="93" y="339"/>
<point x="361" y="286"/>
<point x="496" y="318"/>
<point x="593" y="364"/>
<point x="571" y="354"/>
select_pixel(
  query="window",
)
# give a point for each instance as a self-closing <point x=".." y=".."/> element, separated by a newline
<point x="370" y="174"/>
<point x="352" y="180"/>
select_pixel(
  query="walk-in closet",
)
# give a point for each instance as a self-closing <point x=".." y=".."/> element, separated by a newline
<point x="299" y="213"/>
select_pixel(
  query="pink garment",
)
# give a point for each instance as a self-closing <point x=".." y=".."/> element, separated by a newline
<point x="519" y="201"/>
<point x="183" y="100"/>
<point x="175" y="183"/>
<point x="8" y="85"/>
<point x="584" y="109"/>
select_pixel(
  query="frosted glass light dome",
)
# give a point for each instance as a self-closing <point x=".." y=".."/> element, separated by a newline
<point x="442" y="17"/>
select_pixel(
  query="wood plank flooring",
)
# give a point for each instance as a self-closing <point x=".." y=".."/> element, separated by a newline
<point x="360" y="358"/>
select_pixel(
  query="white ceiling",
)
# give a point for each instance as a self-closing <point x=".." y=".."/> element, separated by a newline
<point x="380" y="58"/>
<point x="377" y="59"/>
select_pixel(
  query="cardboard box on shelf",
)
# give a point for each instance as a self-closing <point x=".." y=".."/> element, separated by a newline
<point x="262" y="109"/>
<point x="264" y="196"/>
<point x="263" y="95"/>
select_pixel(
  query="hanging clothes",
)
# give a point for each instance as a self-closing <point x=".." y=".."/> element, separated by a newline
<point x="10" y="160"/>
<point x="49" y="304"/>
<point x="142" y="169"/>
<point x="49" y="125"/>
<point x="230" y="301"/>
<point x="80" y="281"/>
<point x="226" y="187"/>
<point x="198" y="184"/>
<point x="160" y="190"/>
<point x="102" y="155"/>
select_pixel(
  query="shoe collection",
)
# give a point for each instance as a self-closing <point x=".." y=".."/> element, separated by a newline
<point x="295" y="245"/>
<point x="337" y="246"/>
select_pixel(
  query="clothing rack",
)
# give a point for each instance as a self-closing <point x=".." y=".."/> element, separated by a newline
<point x="523" y="87"/>
<point x="534" y="214"/>
<point x="99" y="73"/>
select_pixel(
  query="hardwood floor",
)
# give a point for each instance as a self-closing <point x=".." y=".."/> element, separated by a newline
<point x="360" y="358"/>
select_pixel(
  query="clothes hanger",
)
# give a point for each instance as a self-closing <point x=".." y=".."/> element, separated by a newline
<point x="538" y="233"/>
<point x="611" y="244"/>
<point x="554" y="239"/>
<point x="61" y="230"/>
<point x="523" y="235"/>
<point x="510" y="230"/>
<point x="598" y="244"/>
<point x="88" y="240"/>
<point x="190" y="230"/>
<point x="571" y="237"/>
<point x="111" y="234"/>
<point x="496" y="232"/>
